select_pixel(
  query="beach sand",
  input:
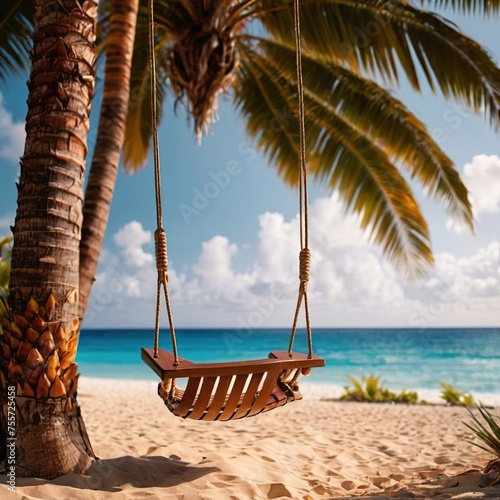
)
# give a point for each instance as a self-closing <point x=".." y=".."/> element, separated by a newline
<point x="306" y="450"/>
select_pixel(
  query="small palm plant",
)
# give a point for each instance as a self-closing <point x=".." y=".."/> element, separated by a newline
<point x="455" y="397"/>
<point x="487" y="429"/>
<point x="5" y="253"/>
<point x="373" y="391"/>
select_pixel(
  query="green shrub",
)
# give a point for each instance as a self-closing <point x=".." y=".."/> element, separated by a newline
<point x="410" y="397"/>
<point x="455" y="397"/>
<point x="369" y="389"/>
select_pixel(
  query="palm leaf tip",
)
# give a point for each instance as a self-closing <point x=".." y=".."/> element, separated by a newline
<point x="16" y="33"/>
<point x="486" y="428"/>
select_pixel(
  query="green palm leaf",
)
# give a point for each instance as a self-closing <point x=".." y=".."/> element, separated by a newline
<point x="383" y="119"/>
<point x="16" y="30"/>
<point x="384" y="38"/>
<point x="271" y="120"/>
<point x="487" y="430"/>
<point x="369" y="184"/>
<point x="484" y="7"/>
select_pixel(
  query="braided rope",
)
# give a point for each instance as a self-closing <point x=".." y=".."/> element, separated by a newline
<point x="305" y="253"/>
<point x="161" y="250"/>
<point x="160" y="235"/>
<point x="304" y="266"/>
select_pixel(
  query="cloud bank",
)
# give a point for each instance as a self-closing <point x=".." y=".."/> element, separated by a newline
<point x="351" y="283"/>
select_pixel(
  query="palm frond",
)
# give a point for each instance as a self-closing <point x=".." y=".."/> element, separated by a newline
<point x="380" y="117"/>
<point x="271" y="122"/>
<point x="202" y="57"/>
<point x="368" y="182"/>
<point x="384" y="38"/>
<point x="487" y="430"/>
<point x="372" y="187"/>
<point x="482" y="7"/>
<point x="16" y="30"/>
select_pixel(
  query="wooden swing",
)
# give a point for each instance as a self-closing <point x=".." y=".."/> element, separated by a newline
<point x="234" y="390"/>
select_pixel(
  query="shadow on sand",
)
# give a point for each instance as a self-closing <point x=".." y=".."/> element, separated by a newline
<point x="139" y="472"/>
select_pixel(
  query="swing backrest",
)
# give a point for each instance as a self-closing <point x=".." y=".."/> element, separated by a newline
<point x="225" y="391"/>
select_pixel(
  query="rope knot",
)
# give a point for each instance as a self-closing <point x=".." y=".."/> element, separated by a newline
<point x="161" y="250"/>
<point x="304" y="265"/>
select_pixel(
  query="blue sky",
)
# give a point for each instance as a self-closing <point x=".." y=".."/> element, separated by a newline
<point x="232" y="230"/>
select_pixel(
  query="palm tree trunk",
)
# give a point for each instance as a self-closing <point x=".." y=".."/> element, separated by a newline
<point x="39" y="375"/>
<point x="109" y="143"/>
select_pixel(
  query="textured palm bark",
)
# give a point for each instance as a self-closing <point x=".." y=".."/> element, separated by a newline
<point x="40" y="331"/>
<point x="51" y="431"/>
<point x="109" y="140"/>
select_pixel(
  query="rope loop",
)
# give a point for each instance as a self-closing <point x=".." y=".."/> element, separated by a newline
<point x="161" y="250"/>
<point x="304" y="265"/>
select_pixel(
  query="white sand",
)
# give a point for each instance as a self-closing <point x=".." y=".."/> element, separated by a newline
<point x="306" y="450"/>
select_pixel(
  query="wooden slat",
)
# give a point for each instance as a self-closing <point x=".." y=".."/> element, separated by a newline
<point x="219" y="399"/>
<point x="203" y="398"/>
<point x="263" y="397"/>
<point x="163" y="365"/>
<point x="188" y="397"/>
<point x="276" y="398"/>
<point x="222" y="406"/>
<point x="296" y="360"/>
<point x="249" y="397"/>
<point x="234" y="397"/>
<point x="164" y="362"/>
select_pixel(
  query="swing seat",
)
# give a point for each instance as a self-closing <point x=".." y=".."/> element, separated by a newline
<point x="229" y="391"/>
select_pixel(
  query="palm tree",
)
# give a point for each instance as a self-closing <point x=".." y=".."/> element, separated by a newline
<point x="359" y="138"/>
<point x="40" y="330"/>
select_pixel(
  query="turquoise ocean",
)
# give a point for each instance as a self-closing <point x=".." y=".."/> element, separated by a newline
<point x="413" y="359"/>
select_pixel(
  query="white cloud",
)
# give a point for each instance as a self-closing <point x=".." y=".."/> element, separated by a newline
<point x="278" y="248"/>
<point x="344" y="265"/>
<point x="458" y="287"/>
<point x="482" y="178"/>
<point x="214" y="264"/>
<point x="6" y="221"/>
<point x="131" y="239"/>
<point x="351" y="285"/>
<point x="218" y="279"/>
<point x="12" y="135"/>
